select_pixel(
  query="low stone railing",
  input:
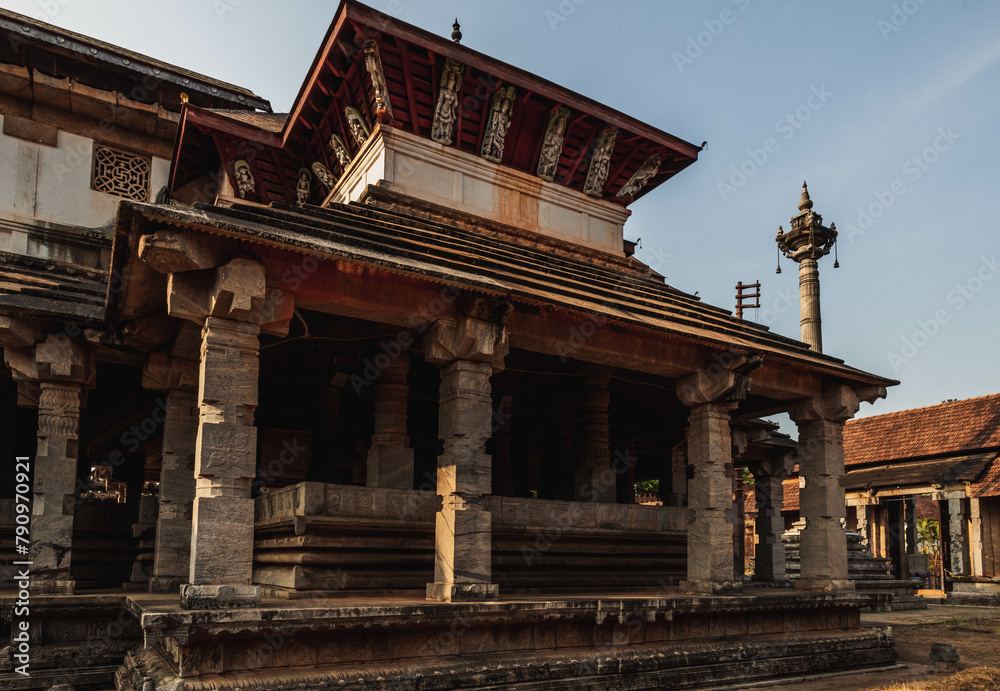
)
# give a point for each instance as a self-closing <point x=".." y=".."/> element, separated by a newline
<point x="320" y="538"/>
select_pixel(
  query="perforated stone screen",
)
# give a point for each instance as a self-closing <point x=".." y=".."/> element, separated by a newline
<point x="119" y="173"/>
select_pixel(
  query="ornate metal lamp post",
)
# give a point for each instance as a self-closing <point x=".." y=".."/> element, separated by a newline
<point x="807" y="241"/>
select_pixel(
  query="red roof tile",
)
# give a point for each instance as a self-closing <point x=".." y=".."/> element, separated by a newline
<point x="956" y="427"/>
<point x="989" y="485"/>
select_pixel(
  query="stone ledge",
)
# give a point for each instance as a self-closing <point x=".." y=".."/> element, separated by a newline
<point x="219" y="597"/>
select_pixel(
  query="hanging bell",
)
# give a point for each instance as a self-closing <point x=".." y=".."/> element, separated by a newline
<point x="836" y="263"/>
<point x="778" y="270"/>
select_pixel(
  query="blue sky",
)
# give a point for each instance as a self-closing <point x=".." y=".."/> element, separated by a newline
<point x="890" y="110"/>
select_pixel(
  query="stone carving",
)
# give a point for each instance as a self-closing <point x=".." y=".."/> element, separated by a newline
<point x="340" y="150"/>
<point x="244" y="180"/>
<point x="600" y="163"/>
<point x="356" y="124"/>
<point x="496" y="130"/>
<point x="373" y="62"/>
<point x="324" y="175"/>
<point x="552" y="145"/>
<point x="302" y="186"/>
<point x="646" y="171"/>
<point x="447" y="106"/>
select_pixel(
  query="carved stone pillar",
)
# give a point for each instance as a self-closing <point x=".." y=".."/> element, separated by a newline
<point x="469" y="351"/>
<point x="710" y="491"/>
<point x="232" y="303"/>
<point x="390" y="458"/>
<point x="769" y="562"/>
<point x="61" y="368"/>
<point x="959" y="538"/>
<point x="593" y="479"/>
<point x="861" y="517"/>
<point x="821" y="495"/>
<point x="178" y="377"/>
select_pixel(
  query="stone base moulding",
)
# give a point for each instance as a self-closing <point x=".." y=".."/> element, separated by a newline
<point x="462" y="592"/>
<point x="219" y="596"/>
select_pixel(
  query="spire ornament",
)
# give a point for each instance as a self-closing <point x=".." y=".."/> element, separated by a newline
<point x="456" y="34"/>
<point x="806" y="242"/>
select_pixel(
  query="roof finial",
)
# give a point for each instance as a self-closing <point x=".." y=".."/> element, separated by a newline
<point x="805" y="203"/>
<point x="456" y="35"/>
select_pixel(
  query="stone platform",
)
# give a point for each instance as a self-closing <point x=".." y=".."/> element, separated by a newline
<point x="661" y="640"/>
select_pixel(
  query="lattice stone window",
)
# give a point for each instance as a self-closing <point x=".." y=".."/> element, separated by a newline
<point x="119" y="173"/>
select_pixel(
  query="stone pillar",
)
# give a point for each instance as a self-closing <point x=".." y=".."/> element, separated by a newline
<point x="468" y="350"/>
<point x="178" y="377"/>
<point x="910" y="518"/>
<point x="810" y="322"/>
<point x="959" y="543"/>
<point x="861" y="516"/>
<point x="976" y="536"/>
<point x="710" y="492"/>
<point x="390" y="458"/>
<point x="821" y="495"/>
<point x="233" y="305"/>
<point x="678" y="469"/>
<point x="61" y="368"/>
<point x="769" y="565"/>
<point x="593" y="479"/>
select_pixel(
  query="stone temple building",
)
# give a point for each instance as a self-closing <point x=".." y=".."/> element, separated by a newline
<point x="356" y="396"/>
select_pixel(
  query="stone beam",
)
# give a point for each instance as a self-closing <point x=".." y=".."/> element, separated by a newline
<point x="469" y="351"/>
<point x="821" y="471"/>
<point x="19" y="333"/>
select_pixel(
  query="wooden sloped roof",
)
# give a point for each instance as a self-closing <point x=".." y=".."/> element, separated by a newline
<point x="951" y="428"/>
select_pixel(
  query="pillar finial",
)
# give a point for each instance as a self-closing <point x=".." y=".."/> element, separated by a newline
<point x="805" y="203"/>
<point x="456" y="34"/>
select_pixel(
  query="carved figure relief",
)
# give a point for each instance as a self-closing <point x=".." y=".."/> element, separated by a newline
<point x="552" y="145"/>
<point x="646" y="171"/>
<point x="340" y="150"/>
<point x="244" y="180"/>
<point x="303" y="186"/>
<point x="324" y="175"/>
<point x="356" y="124"/>
<point x="597" y="175"/>
<point x="373" y="62"/>
<point x="496" y="130"/>
<point x="445" y="114"/>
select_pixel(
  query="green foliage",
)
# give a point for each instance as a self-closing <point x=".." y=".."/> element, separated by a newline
<point x="647" y="487"/>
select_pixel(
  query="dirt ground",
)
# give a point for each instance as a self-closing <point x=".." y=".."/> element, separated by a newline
<point x="974" y="631"/>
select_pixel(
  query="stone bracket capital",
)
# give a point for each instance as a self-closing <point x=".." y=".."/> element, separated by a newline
<point x="236" y="290"/>
<point x="466" y="338"/>
<point x="164" y="372"/>
<point x="19" y="333"/>
<point x="171" y="251"/>
<point x="58" y="358"/>
<point x="722" y="386"/>
<point x="838" y="403"/>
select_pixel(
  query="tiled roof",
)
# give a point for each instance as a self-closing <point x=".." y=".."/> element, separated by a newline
<point x="989" y="485"/>
<point x="947" y="471"/>
<point x="948" y="428"/>
<point x="790" y="486"/>
<point x="50" y="288"/>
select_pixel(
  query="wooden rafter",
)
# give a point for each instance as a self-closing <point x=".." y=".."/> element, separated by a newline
<point x="408" y="77"/>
